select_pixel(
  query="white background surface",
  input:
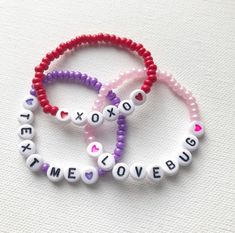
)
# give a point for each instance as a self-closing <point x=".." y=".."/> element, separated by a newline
<point x="195" y="40"/>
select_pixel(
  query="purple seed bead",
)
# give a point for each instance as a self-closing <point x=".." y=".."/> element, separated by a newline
<point x="111" y="95"/>
<point x="77" y="75"/>
<point x="121" y="121"/>
<point x="116" y="100"/>
<point x="45" y="167"/>
<point x="33" y="92"/>
<point x="121" y="132"/>
<point x="121" y="117"/>
<point x="118" y="151"/>
<point x="54" y="74"/>
<point x="93" y="81"/>
<point x="120" y="145"/>
<point x="122" y="127"/>
<point x="98" y="86"/>
<point x="121" y="138"/>
<point x="88" y="81"/>
<point x="101" y="172"/>
<point x="83" y="78"/>
<point x="117" y="158"/>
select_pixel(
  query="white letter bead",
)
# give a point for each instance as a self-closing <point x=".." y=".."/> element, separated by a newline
<point x="106" y="161"/>
<point x="184" y="157"/>
<point x="63" y="115"/>
<point x="94" y="149"/>
<point x="170" y="166"/>
<point x="126" y="107"/>
<point x="55" y="173"/>
<point x="27" y="148"/>
<point x="79" y="117"/>
<point x="155" y="173"/>
<point x="138" y="97"/>
<point x="110" y="113"/>
<point x="191" y="142"/>
<point x="197" y="128"/>
<point x="26" y="131"/>
<point x="120" y="171"/>
<point x="95" y="118"/>
<point x="25" y="117"/>
<point x="72" y="174"/>
<point x="89" y="175"/>
<point x="137" y="171"/>
<point x="30" y="102"/>
<point x="34" y="162"/>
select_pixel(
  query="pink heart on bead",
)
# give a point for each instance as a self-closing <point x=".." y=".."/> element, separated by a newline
<point x="94" y="149"/>
<point x="197" y="128"/>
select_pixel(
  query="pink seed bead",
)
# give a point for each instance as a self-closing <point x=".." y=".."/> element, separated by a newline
<point x="190" y="99"/>
<point x="195" y="117"/>
<point x="91" y="139"/>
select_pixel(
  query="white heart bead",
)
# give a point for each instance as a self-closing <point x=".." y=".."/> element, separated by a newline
<point x="106" y="161"/>
<point x="63" y="115"/>
<point x="25" y="116"/>
<point x="138" y="171"/>
<point x="34" y="162"/>
<point x="120" y="171"/>
<point x="197" y="128"/>
<point x="72" y="174"/>
<point x="94" y="149"/>
<point x="191" y="142"/>
<point x="27" y="148"/>
<point x="184" y="157"/>
<point x="79" y="117"/>
<point x="170" y="166"/>
<point x="138" y="97"/>
<point x="95" y="118"/>
<point x="55" y="173"/>
<point x="126" y="107"/>
<point x="89" y="175"/>
<point x="110" y="113"/>
<point x="26" y="131"/>
<point x="30" y="102"/>
<point x="155" y="173"/>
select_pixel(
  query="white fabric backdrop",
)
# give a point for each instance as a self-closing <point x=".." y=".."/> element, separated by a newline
<point x="192" y="39"/>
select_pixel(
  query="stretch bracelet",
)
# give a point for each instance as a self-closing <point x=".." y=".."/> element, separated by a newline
<point x="168" y="166"/>
<point x="125" y="107"/>
<point x="56" y="173"/>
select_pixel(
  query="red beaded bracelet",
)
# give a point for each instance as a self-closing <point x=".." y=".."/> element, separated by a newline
<point x="90" y="39"/>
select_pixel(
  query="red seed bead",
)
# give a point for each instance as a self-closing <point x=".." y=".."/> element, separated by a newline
<point x="54" y="110"/>
<point x="141" y="51"/>
<point x="152" y="67"/>
<point x="146" y="88"/>
<point x="38" y="69"/>
<point x="152" y="77"/>
<point x="150" y="71"/>
<point x="39" y="75"/>
<point x="146" y="54"/>
<point x="36" y="80"/>
<point x="50" y="56"/>
<point x="41" y="91"/>
<point x="148" y="82"/>
<point x="47" y="108"/>
<point x="41" y="97"/>
<point x="44" y="102"/>
<point x="148" y="63"/>
<point x="38" y="85"/>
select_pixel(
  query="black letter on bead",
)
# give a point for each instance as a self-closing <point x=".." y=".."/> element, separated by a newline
<point x="138" y="172"/>
<point x="79" y="116"/>
<point x="183" y="157"/>
<point x="121" y="171"/>
<point x="27" y="116"/>
<point x="55" y="172"/>
<point x="35" y="160"/>
<point x="103" y="160"/>
<point x="95" y="117"/>
<point x="126" y="106"/>
<point x="26" y="147"/>
<point x="71" y="173"/>
<point x="156" y="172"/>
<point x="170" y="164"/>
<point x="190" y="141"/>
<point x="111" y="113"/>
<point x="26" y="130"/>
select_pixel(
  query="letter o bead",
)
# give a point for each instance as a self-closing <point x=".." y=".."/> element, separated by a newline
<point x="72" y="174"/>
<point x="34" y="162"/>
<point x="27" y="148"/>
<point x="191" y="143"/>
<point x="55" y="173"/>
<point x="120" y="171"/>
<point x="126" y="107"/>
<point x="95" y="118"/>
<point x="137" y="171"/>
<point x="155" y="173"/>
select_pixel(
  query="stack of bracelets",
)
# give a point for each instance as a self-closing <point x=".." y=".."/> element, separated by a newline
<point x="117" y="110"/>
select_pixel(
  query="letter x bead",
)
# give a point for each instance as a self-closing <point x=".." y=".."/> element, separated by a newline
<point x="120" y="171"/>
<point x="138" y="97"/>
<point x="191" y="142"/>
<point x="25" y="116"/>
<point x="72" y="174"/>
<point x="55" y="173"/>
<point x="95" y="118"/>
<point x="170" y="166"/>
<point x="111" y="113"/>
<point x="138" y="171"/>
<point x="94" y="149"/>
<point x="30" y="102"/>
<point x="126" y="107"/>
<point x="184" y="157"/>
<point x="106" y="161"/>
<point x="63" y="116"/>
<point x="26" y="131"/>
<point x="27" y="148"/>
<point x="155" y="173"/>
<point x="34" y="162"/>
<point x="79" y="117"/>
<point x="197" y="128"/>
